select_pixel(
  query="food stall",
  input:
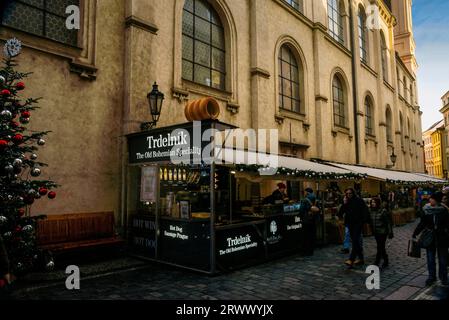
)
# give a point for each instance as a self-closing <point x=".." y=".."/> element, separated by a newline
<point x="194" y="204"/>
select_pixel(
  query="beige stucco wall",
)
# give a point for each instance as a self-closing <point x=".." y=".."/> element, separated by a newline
<point x="83" y="150"/>
<point x="86" y="150"/>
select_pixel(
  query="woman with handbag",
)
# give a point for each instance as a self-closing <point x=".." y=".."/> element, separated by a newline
<point x="382" y="226"/>
<point x="433" y="235"/>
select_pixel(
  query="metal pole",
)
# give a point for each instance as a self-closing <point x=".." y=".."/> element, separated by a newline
<point x="230" y="195"/>
<point x="212" y="206"/>
<point x="157" y="231"/>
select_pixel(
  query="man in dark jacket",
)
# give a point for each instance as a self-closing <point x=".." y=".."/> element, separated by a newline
<point x="356" y="215"/>
<point x="436" y="217"/>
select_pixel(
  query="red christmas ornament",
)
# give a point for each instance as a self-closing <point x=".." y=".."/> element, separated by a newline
<point x="20" y="86"/>
<point x="52" y="195"/>
<point x="5" y="92"/>
<point x="3" y="144"/>
<point x="21" y="212"/>
<point x="17" y="139"/>
<point x="2" y="283"/>
<point x="14" y="124"/>
<point x="18" y="228"/>
<point x="26" y="114"/>
<point x="43" y="191"/>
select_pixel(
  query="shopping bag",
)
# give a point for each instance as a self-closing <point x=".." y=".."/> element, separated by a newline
<point x="426" y="238"/>
<point x="414" y="250"/>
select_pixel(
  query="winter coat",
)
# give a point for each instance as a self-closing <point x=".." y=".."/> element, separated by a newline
<point x="355" y="212"/>
<point x="435" y="218"/>
<point x="381" y="221"/>
<point x="4" y="262"/>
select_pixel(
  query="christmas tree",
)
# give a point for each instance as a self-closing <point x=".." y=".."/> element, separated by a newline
<point x="19" y="168"/>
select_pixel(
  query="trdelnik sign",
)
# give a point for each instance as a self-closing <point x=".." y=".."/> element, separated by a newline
<point x="203" y="142"/>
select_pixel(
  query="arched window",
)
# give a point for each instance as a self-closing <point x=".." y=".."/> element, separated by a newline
<point x="412" y="95"/>
<point x="404" y="84"/>
<point x="338" y="94"/>
<point x="289" y="80"/>
<point x="384" y="51"/>
<point x="389" y="121"/>
<point x="203" y="45"/>
<point x="335" y="12"/>
<point x="409" y="133"/>
<point x="296" y="4"/>
<point x="369" y="116"/>
<point x="363" y="35"/>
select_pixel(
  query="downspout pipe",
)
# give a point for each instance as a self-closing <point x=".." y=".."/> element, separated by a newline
<point x="354" y="84"/>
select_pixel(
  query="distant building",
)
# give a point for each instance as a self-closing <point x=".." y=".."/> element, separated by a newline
<point x="434" y="145"/>
<point x="445" y="112"/>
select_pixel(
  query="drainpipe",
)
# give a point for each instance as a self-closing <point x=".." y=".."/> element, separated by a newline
<point x="354" y="84"/>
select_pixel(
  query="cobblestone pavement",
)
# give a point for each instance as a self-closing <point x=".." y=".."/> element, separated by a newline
<point x="322" y="276"/>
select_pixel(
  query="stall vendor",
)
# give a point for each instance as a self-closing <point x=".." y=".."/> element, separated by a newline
<point x="279" y="194"/>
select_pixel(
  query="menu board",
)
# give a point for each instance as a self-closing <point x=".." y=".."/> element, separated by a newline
<point x="149" y="180"/>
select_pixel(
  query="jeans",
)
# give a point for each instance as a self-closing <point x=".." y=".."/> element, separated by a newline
<point x="357" y="248"/>
<point x="347" y="241"/>
<point x="381" y="240"/>
<point x="442" y="263"/>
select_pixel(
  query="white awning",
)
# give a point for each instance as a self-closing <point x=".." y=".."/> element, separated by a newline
<point x="389" y="175"/>
<point x="270" y="161"/>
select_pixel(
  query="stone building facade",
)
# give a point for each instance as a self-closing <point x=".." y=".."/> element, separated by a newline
<point x="445" y="112"/>
<point x="336" y="89"/>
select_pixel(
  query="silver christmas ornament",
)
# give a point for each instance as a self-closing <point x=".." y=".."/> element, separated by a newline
<point x="33" y="156"/>
<point x="7" y="235"/>
<point x="17" y="162"/>
<point x="50" y="265"/>
<point x="9" y="169"/>
<point x="19" y="266"/>
<point x="41" y="142"/>
<point x="28" y="228"/>
<point x="32" y="192"/>
<point x="35" y="172"/>
<point x="3" y="220"/>
<point x="6" y="114"/>
<point x="2" y="80"/>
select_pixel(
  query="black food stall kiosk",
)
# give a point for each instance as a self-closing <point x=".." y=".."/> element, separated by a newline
<point x="186" y="210"/>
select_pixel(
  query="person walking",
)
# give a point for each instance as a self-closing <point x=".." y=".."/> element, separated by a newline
<point x="347" y="239"/>
<point x="382" y="226"/>
<point x="356" y="215"/>
<point x="310" y="213"/>
<point x="436" y="218"/>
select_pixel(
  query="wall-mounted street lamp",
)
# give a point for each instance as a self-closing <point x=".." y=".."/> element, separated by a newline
<point x="393" y="159"/>
<point x="155" y="100"/>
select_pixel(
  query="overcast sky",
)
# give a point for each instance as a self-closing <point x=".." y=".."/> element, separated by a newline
<point x="431" y="29"/>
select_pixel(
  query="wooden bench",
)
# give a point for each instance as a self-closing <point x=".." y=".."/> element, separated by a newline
<point x="65" y="232"/>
